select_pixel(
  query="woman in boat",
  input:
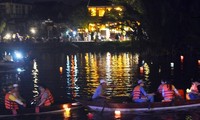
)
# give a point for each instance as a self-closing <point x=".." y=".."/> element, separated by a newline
<point x="45" y="97"/>
<point x="169" y="92"/>
<point x="140" y="95"/>
<point x="194" y="93"/>
<point x="100" y="92"/>
<point x="12" y="102"/>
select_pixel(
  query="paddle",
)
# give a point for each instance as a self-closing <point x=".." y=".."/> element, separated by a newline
<point x="104" y="104"/>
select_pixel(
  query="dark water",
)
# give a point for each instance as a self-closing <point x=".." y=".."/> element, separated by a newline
<point x="69" y="76"/>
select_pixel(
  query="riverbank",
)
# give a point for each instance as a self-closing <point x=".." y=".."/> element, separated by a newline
<point x="69" y="46"/>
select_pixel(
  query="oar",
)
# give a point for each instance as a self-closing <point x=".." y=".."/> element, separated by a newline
<point x="104" y="104"/>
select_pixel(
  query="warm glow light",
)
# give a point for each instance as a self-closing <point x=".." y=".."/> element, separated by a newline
<point x="141" y="70"/>
<point x="117" y="114"/>
<point x="67" y="113"/>
<point x="138" y="23"/>
<point x="66" y="107"/>
<point x="61" y="70"/>
<point x="198" y="62"/>
<point x="118" y="8"/>
<point x="182" y="58"/>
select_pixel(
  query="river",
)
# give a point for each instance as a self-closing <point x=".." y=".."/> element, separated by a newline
<point x="77" y="75"/>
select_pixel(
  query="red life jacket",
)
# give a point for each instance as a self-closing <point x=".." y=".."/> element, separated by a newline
<point x="10" y="104"/>
<point x="136" y="93"/>
<point x="50" y="98"/>
<point x="168" y="94"/>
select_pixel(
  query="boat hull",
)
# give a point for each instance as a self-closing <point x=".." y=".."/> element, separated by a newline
<point x="42" y="110"/>
<point x="141" y="107"/>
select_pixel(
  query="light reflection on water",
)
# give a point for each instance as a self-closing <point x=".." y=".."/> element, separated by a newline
<point x="87" y="69"/>
<point x="81" y="73"/>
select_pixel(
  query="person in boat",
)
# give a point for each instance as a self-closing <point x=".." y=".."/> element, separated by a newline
<point x="169" y="92"/>
<point x="17" y="93"/>
<point x="159" y="90"/>
<point x="100" y="92"/>
<point x="12" y="102"/>
<point x="161" y="86"/>
<point x="194" y="91"/>
<point x="140" y="95"/>
<point x="45" y="97"/>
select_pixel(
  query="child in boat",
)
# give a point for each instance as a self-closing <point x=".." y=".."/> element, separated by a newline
<point x="140" y="95"/>
<point x="169" y="92"/>
<point x="194" y="93"/>
<point x="100" y="92"/>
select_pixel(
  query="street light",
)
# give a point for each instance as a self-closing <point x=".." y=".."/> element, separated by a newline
<point x="33" y="30"/>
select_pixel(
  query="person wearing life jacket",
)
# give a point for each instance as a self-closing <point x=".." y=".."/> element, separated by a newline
<point x="161" y="86"/>
<point x="140" y="95"/>
<point x="169" y="92"/>
<point x="159" y="90"/>
<point x="11" y="101"/>
<point x="45" y="98"/>
<point x="194" y="91"/>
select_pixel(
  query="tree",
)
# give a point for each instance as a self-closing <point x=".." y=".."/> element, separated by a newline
<point x="131" y="17"/>
<point x="2" y="26"/>
<point x="80" y="18"/>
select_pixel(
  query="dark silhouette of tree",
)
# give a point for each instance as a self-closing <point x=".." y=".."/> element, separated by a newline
<point x="170" y="24"/>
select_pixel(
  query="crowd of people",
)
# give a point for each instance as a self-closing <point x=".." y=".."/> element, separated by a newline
<point x="14" y="101"/>
<point x="166" y="92"/>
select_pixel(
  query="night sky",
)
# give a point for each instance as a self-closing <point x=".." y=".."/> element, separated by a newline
<point x="72" y="2"/>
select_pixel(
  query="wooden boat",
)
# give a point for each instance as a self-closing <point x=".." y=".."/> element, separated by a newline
<point x="42" y="110"/>
<point x="127" y="107"/>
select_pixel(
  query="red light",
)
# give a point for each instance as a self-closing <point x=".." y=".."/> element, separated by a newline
<point x="182" y="58"/>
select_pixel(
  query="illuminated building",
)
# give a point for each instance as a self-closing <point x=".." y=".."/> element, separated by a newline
<point x="107" y="30"/>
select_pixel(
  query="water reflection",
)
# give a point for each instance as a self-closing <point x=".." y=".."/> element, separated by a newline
<point x="35" y="79"/>
<point x="115" y="68"/>
<point x="72" y="76"/>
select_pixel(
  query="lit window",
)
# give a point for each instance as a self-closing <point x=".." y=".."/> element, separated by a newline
<point x="92" y="11"/>
<point x="101" y="13"/>
<point x="118" y="9"/>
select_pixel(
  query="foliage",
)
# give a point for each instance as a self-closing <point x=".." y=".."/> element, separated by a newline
<point x="171" y="24"/>
<point x="132" y="17"/>
<point x="80" y="18"/>
<point x="2" y="26"/>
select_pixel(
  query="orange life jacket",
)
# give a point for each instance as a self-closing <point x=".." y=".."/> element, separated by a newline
<point x="10" y="104"/>
<point x="136" y="93"/>
<point x="168" y="94"/>
<point x="50" y="98"/>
